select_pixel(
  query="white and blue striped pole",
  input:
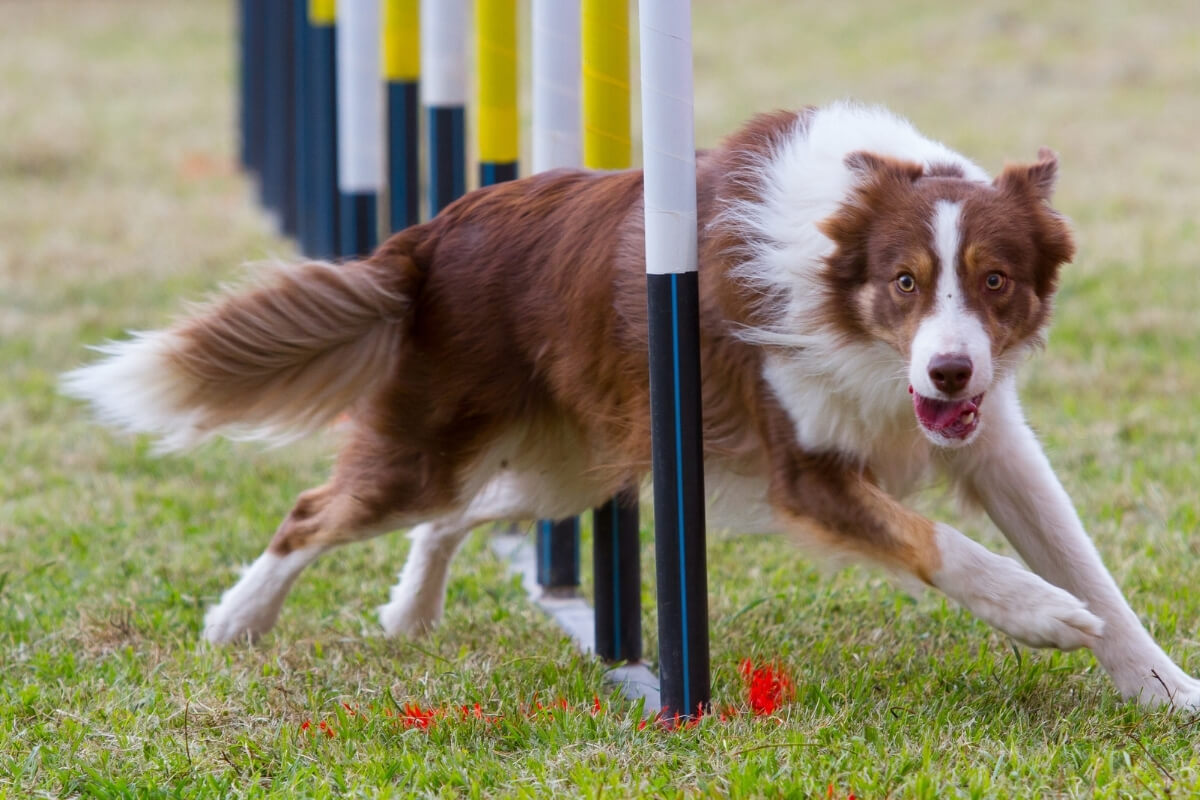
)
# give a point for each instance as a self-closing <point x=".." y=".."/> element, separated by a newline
<point x="672" y="287"/>
<point x="359" y="126"/>
<point x="444" y="95"/>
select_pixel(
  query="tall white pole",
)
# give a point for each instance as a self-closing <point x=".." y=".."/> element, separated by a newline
<point x="672" y="291"/>
<point x="556" y="71"/>
<point x="668" y="138"/>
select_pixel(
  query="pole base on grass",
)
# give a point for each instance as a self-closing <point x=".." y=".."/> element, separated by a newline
<point x="634" y="680"/>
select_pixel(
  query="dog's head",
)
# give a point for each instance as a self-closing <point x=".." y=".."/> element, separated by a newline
<point x="957" y="275"/>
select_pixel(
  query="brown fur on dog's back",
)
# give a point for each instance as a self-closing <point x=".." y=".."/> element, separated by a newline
<point x="564" y="326"/>
<point x="550" y="267"/>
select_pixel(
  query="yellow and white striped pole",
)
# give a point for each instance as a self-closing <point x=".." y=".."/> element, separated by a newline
<point x="496" y="87"/>
<point x="401" y="46"/>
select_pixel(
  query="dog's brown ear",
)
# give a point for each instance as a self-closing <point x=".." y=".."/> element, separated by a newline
<point x="1052" y="235"/>
<point x="882" y="180"/>
<point x="1035" y="179"/>
<point x="870" y="165"/>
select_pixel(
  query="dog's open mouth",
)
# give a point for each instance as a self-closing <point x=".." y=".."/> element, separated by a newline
<point x="953" y="419"/>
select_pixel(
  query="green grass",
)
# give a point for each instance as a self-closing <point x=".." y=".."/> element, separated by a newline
<point x="119" y="197"/>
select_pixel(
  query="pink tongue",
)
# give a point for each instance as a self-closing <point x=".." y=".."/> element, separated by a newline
<point x="940" y="414"/>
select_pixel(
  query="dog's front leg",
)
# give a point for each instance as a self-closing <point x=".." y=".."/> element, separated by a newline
<point x="1008" y="473"/>
<point x="837" y="509"/>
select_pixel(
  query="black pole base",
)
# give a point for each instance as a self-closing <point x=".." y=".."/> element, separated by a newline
<point x="322" y="143"/>
<point x="678" y="459"/>
<point x="492" y="172"/>
<point x="558" y="555"/>
<point x="618" y="579"/>
<point x="447" y="156"/>
<point x="404" y="166"/>
<point x="359" y="221"/>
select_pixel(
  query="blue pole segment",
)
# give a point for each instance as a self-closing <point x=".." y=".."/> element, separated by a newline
<point x="359" y="223"/>
<point x="558" y="553"/>
<point x="322" y="141"/>
<point x="404" y="173"/>
<point x="274" y="120"/>
<point x="288" y="130"/>
<point x="616" y="565"/>
<point x="494" y="172"/>
<point x="447" y="156"/>
<point x="678" y="463"/>
<point x="305" y="215"/>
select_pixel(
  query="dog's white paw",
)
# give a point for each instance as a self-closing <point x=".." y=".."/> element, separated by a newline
<point x="409" y="615"/>
<point x="1182" y="694"/>
<point x="1165" y="685"/>
<point x="250" y="608"/>
<point x="239" y="618"/>
<point x="1035" y="612"/>
<point x="1012" y="599"/>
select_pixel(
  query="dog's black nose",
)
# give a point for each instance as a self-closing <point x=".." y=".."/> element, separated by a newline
<point x="950" y="373"/>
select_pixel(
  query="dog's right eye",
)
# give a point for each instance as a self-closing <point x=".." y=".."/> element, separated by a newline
<point x="906" y="283"/>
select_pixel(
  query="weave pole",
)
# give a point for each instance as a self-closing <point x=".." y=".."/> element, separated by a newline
<point x="556" y="71"/>
<point x="606" y="141"/>
<point x="302" y="96"/>
<point x="290" y="15"/>
<point x="320" y="238"/>
<point x="401" y="75"/>
<point x="606" y="146"/>
<point x="360" y="126"/>
<point x="496" y="89"/>
<point x="444" y="94"/>
<point x="276" y="124"/>
<point x="556" y="143"/>
<point x="253" y="88"/>
<point x="672" y="289"/>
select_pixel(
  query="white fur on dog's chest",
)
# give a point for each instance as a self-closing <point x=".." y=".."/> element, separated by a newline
<point x="870" y="423"/>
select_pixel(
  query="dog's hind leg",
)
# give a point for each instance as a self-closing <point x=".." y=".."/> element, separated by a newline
<point x="250" y="608"/>
<point x="838" y="509"/>
<point x="377" y="486"/>
<point x="417" y="601"/>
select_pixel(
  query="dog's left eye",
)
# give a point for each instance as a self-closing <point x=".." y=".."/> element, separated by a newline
<point x="995" y="281"/>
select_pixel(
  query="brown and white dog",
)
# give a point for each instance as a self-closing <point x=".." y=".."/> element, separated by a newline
<point x="866" y="297"/>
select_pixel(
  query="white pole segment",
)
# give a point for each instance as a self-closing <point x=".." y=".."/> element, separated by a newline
<point x="556" y="77"/>
<point x="359" y="98"/>
<point x="444" y="53"/>
<point x="668" y="138"/>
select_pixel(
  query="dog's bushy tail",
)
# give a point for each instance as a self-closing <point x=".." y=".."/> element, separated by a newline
<point x="275" y="360"/>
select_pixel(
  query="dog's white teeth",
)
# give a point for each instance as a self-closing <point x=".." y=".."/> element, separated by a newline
<point x="968" y="418"/>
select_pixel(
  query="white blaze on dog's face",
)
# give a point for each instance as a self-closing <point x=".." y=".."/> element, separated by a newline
<point x="957" y="275"/>
<point x="950" y="359"/>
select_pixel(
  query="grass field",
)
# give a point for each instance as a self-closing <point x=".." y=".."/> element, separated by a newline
<point x="119" y="196"/>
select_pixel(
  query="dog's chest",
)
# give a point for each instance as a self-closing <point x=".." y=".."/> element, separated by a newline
<point x="865" y="423"/>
